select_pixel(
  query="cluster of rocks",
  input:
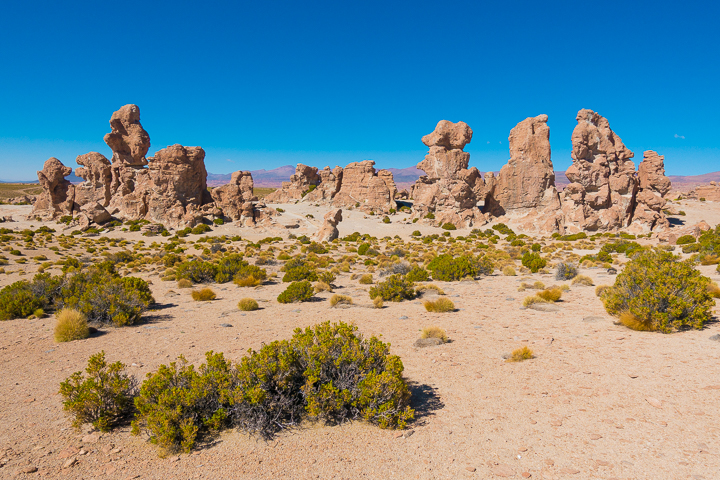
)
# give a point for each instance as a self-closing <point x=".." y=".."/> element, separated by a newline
<point x="710" y="193"/>
<point x="169" y="188"/>
<point x="358" y="185"/>
<point x="606" y="192"/>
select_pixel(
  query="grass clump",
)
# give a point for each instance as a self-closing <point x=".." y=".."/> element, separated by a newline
<point x="249" y="281"/>
<point x="340" y="300"/>
<point x="441" y="305"/>
<point x="601" y="289"/>
<point x="565" y="271"/>
<point x="395" y="289"/>
<point x="533" y="299"/>
<point x="203" y="295"/>
<point x="550" y="294"/>
<point x="301" y="291"/>
<point x="366" y="279"/>
<point x="104" y="398"/>
<point x="509" y="271"/>
<point x="322" y="287"/>
<point x="521" y="354"/>
<point x="71" y="325"/>
<point x="434" y="332"/>
<point x="714" y="290"/>
<point x="248" y="305"/>
<point x="662" y="292"/>
<point x="431" y="287"/>
<point x="184" y="283"/>
<point x="583" y="280"/>
<point x="378" y="302"/>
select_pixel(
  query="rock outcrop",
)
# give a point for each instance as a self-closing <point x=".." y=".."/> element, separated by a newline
<point x="96" y="172"/>
<point x="710" y="193"/>
<point x="329" y="231"/>
<point x="232" y="198"/>
<point x="128" y="139"/>
<point x="361" y="184"/>
<point x="58" y="195"/>
<point x="653" y="185"/>
<point x="449" y="191"/>
<point x="301" y="183"/>
<point x="601" y="195"/>
<point x="329" y="186"/>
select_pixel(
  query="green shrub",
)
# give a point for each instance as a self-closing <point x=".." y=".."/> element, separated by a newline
<point x="565" y="271"/>
<point x="301" y="291"/>
<point x="417" y="274"/>
<point x="685" y="239"/>
<point x="533" y="261"/>
<point x="18" y="301"/>
<point x="363" y="248"/>
<point x="200" y="229"/>
<point x="386" y="219"/>
<point x="430" y="216"/>
<point x="219" y="221"/>
<point x="449" y="226"/>
<point x="396" y="289"/>
<point x="104" y="398"/>
<point x="327" y="277"/>
<point x="248" y="305"/>
<point x="536" y="247"/>
<point x="298" y="269"/>
<point x="662" y="292"/>
<point x="447" y="269"/>
<point x="71" y="325"/>
<point x="203" y="295"/>
<point x="315" y="247"/>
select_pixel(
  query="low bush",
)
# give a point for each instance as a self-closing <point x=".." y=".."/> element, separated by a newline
<point x="685" y="239"/>
<point x="449" y="226"/>
<point x="366" y="279"/>
<point x="533" y="299"/>
<point x="301" y="291"/>
<point x="565" y="271"/>
<point x="203" y="295"/>
<point x="249" y="281"/>
<point x="248" y="305"/>
<point x="440" y="305"/>
<point x="521" y="354"/>
<point x="70" y="325"/>
<point x="533" y="261"/>
<point x="509" y="271"/>
<point x="378" y="302"/>
<point x="551" y="294"/>
<point x="340" y="300"/>
<point x="395" y="289"/>
<point x="447" y="269"/>
<point x="661" y="292"/>
<point x="184" y="283"/>
<point x="298" y="269"/>
<point x="583" y="280"/>
<point x="430" y="287"/>
<point x="434" y="332"/>
<point x="417" y="274"/>
<point x="104" y="398"/>
<point x="322" y="287"/>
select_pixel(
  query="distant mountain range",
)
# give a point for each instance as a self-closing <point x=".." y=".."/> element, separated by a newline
<point x="405" y="177"/>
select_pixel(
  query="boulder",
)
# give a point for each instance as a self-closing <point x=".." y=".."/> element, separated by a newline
<point x="95" y="212"/>
<point x="653" y="185"/>
<point x="710" y="193"/>
<point x="305" y="179"/>
<point x="128" y="139"/>
<point x="361" y="184"/>
<point x="96" y="172"/>
<point x="231" y="197"/>
<point x="58" y="195"/>
<point x="671" y="235"/>
<point x="329" y="231"/>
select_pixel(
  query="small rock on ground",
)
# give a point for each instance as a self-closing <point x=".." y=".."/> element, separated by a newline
<point x="427" y="342"/>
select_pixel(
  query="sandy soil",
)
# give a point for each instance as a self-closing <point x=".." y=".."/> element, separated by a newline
<point x="599" y="401"/>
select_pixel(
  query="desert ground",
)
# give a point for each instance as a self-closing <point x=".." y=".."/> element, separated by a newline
<point x="598" y="400"/>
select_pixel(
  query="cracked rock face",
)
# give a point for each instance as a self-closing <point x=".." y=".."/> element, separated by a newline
<point x="301" y="182"/>
<point x="361" y="184"/>
<point x="653" y="185"/>
<point x="232" y="197"/>
<point x="128" y="139"/>
<point x="58" y="195"/>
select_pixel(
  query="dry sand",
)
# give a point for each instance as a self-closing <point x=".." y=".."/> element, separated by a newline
<point x="599" y="401"/>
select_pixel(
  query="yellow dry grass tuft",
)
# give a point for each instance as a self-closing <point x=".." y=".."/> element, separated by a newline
<point x="552" y="294"/>
<point x="441" y="305"/>
<point x="521" y="354"/>
<point x="248" y="281"/>
<point x="322" y="287"/>
<point x="634" y="322"/>
<point x="714" y="290"/>
<point x="366" y="279"/>
<point x="509" y="271"/>
<point x="184" y="283"/>
<point x="434" y="332"/>
<point x="71" y="325"/>
<point x="583" y="280"/>
<point x="431" y="286"/>
<point x="340" y="299"/>
<point x="378" y="302"/>
<point x="533" y="299"/>
<point x="248" y="305"/>
<point x="203" y="295"/>
<point x="600" y="289"/>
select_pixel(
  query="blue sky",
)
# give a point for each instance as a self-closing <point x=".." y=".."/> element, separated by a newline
<point x="265" y="84"/>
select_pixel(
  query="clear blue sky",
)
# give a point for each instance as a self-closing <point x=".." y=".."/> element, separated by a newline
<point x="265" y="84"/>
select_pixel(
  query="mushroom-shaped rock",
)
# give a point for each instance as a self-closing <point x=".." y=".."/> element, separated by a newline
<point x="128" y="139"/>
<point x="58" y="195"/>
<point x="329" y="231"/>
<point x="449" y="135"/>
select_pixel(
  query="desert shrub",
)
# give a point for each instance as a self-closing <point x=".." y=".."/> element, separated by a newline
<point x="691" y="248"/>
<point x="184" y="283"/>
<point x="249" y="281"/>
<point x="565" y="271"/>
<point x="378" y="302"/>
<point x="363" y="248"/>
<point x="398" y="268"/>
<point x="298" y="269"/>
<point x="200" y="229"/>
<point x="327" y="277"/>
<point x="301" y="291"/>
<point x="233" y="266"/>
<point x="395" y="289"/>
<point x="340" y="299"/>
<point x="533" y="299"/>
<point x="18" y="301"/>
<point x="203" y="295"/>
<point x="662" y="292"/>
<point x="315" y="247"/>
<point x="685" y="239"/>
<point x="533" y="261"/>
<point x="449" y="226"/>
<point x="551" y="294"/>
<point x="434" y="332"/>
<point x="322" y="287"/>
<point x="71" y="325"/>
<point x="601" y="289"/>
<point x="430" y="287"/>
<point x="178" y="404"/>
<point x="386" y="219"/>
<point x="417" y="274"/>
<point x="573" y="237"/>
<point x="714" y="290"/>
<point x="446" y="268"/>
<point x="248" y="305"/>
<point x="440" y="305"/>
<point x="39" y="313"/>
<point x="509" y="271"/>
<point x="583" y="280"/>
<point x="521" y="354"/>
<point x="197" y="271"/>
<point x="104" y="398"/>
<point x="536" y="247"/>
<point x="366" y="279"/>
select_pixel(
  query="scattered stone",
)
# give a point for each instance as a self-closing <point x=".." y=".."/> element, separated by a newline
<point x="69" y="463"/>
<point x="403" y="317"/>
<point x="654" y="402"/>
<point x="91" y="438"/>
<point x="556" y="423"/>
<point x="526" y="474"/>
<point x="544" y="307"/>
<point x="470" y="469"/>
<point x="612" y="271"/>
<point x="225" y="325"/>
<point x="593" y="319"/>
<point x="409" y="433"/>
<point x="569" y="471"/>
<point x="715" y="338"/>
<point x="503" y="470"/>
<point x="29" y="469"/>
<point x="595" y="436"/>
<point x="427" y="342"/>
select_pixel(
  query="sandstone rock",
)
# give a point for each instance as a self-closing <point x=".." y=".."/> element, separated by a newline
<point x="95" y="169"/>
<point x="649" y="202"/>
<point x="21" y="200"/>
<point x="329" y="186"/>
<point x="128" y="139"/>
<point x="95" y="212"/>
<point x="403" y="195"/>
<point x="603" y="186"/>
<point x="231" y="197"/>
<point x="710" y="193"/>
<point x="329" y="231"/>
<point x="374" y="191"/>
<point x="672" y="234"/>
<point x="304" y="179"/>
<point x="449" y="135"/>
<point x="58" y="196"/>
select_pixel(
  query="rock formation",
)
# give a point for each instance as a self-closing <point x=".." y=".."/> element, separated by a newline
<point x="128" y="139"/>
<point x="361" y="184"/>
<point x="329" y="186"/>
<point x="231" y="198"/>
<point x="58" y="195"/>
<point x="601" y="195"/>
<point x="653" y="185"/>
<point x="329" y="231"/>
<point x="710" y="193"/>
<point x="96" y="170"/>
<point x="301" y="183"/>
<point x="449" y="190"/>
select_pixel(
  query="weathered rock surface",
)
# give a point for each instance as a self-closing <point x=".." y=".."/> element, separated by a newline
<point x="329" y="231"/>
<point x="329" y="186"/>
<point x="232" y="197"/>
<point x="710" y="193"/>
<point x="96" y="170"/>
<point x="653" y="185"/>
<point x="128" y="139"/>
<point x="361" y="184"/>
<point x="449" y="190"/>
<point x="58" y="196"/>
<point x="601" y="195"/>
<point x="671" y="235"/>
<point x="304" y="179"/>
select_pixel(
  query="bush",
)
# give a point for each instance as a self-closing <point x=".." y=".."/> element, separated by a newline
<point x="551" y="294"/>
<point x="685" y="239"/>
<point x="509" y="271"/>
<point x="440" y="305"/>
<point x="104" y="398"/>
<point x="200" y="229"/>
<point x="565" y="271"/>
<point x="366" y="279"/>
<point x="521" y="354"/>
<point x="301" y="291"/>
<point x="533" y="261"/>
<point x="395" y="289"/>
<point x="298" y="269"/>
<point x="363" y="248"/>
<point x="386" y="219"/>
<point x="378" y="302"/>
<point x="327" y="277"/>
<point x="446" y="268"/>
<point x="184" y="283"/>
<point x="449" y="226"/>
<point x="71" y="325"/>
<point x="247" y="281"/>
<point x="583" y="280"/>
<point x="417" y="274"/>
<point x="203" y="295"/>
<point x="601" y="289"/>
<point x="248" y="305"/>
<point x="533" y="299"/>
<point x="340" y="299"/>
<point x="19" y="301"/>
<point x="434" y="332"/>
<point x="322" y="287"/>
<point x="431" y="286"/>
<point x="662" y="292"/>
